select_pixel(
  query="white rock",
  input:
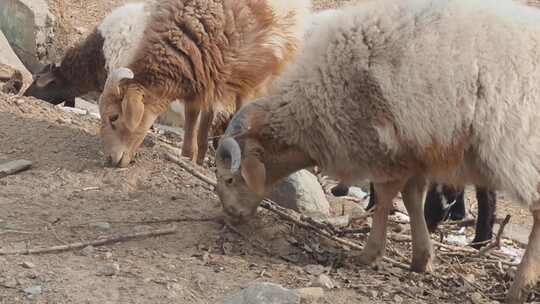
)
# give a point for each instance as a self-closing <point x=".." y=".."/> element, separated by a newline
<point x="357" y="192"/>
<point x="324" y="281"/>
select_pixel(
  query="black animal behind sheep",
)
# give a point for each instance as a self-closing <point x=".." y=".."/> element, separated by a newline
<point x="447" y="202"/>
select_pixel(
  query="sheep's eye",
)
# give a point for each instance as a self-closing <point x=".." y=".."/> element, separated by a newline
<point x="229" y="181"/>
<point x="113" y="118"/>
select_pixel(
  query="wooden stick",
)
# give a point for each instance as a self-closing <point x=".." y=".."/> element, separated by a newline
<point x="293" y="216"/>
<point x="190" y="169"/>
<point x="497" y="242"/>
<point x="100" y="242"/>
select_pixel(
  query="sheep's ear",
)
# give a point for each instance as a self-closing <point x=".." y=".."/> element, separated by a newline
<point x="132" y="108"/>
<point x="254" y="173"/>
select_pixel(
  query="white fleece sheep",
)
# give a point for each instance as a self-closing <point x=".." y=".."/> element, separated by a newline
<point x="409" y="90"/>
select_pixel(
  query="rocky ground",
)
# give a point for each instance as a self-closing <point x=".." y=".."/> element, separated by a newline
<point x="68" y="196"/>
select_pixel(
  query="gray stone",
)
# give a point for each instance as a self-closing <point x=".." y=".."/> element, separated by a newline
<point x="29" y="27"/>
<point x="108" y="269"/>
<point x="264" y="293"/>
<point x="88" y="250"/>
<point x="33" y="290"/>
<point x="302" y="192"/>
<point x="8" y="167"/>
<point x="28" y="265"/>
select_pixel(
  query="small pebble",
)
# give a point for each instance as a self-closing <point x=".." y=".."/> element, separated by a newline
<point x="32" y="291"/>
<point x="108" y="269"/>
<point x="28" y="265"/>
<point x="19" y="102"/>
<point x="314" y="269"/>
<point x="373" y="293"/>
<point x="88" y="250"/>
<point x="108" y="255"/>
<point x="398" y="299"/>
<point x="324" y="281"/>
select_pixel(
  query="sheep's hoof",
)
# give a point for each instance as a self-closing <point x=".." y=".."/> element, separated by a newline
<point x="187" y="154"/>
<point x="369" y="257"/>
<point x="422" y="260"/>
<point x="200" y="160"/>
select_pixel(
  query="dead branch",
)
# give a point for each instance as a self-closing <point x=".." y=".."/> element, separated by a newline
<point x="300" y="220"/>
<point x="100" y="242"/>
<point x="190" y="169"/>
<point x="497" y="242"/>
<point x="183" y="219"/>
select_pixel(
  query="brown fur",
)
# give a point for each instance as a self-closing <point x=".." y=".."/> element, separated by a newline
<point x="208" y="51"/>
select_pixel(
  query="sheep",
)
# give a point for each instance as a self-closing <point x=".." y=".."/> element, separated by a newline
<point x="84" y="67"/>
<point x="201" y="52"/>
<point x="412" y="90"/>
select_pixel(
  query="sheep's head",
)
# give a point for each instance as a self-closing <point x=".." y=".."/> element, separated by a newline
<point x="241" y="182"/>
<point x="124" y="118"/>
<point x="50" y="85"/>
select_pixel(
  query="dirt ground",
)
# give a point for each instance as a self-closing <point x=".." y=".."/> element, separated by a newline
<point x="69" y="196"/>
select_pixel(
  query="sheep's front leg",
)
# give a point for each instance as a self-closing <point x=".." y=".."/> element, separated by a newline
<point x="207" y="116"/>
<point x="413" y="198"/>
<point x="529" y="269"/>
<point x="192" y="114"/>
<point x="376" y="243"/>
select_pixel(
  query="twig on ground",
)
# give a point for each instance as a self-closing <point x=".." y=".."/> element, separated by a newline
<point x="100" y="242"/>
<point x="190" y="169"/>
<point x="7" y="231"/>
<point x="183" y="219"/>
<point x="497" y="242"/>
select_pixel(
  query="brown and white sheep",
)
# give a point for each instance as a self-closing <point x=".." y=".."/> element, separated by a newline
<point x="201" y="52"/>
<point x="409" y="90"/>
<point x="85" y="66"/>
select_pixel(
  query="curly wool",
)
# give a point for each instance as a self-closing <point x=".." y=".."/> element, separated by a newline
<point x="443" y="88"/>
<point x="204" y="51"/>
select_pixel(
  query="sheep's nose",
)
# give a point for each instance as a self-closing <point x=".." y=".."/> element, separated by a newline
<point x="234" y="216"/>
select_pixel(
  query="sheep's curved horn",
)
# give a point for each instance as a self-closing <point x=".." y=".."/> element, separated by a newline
<point x="229" y="150"/>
